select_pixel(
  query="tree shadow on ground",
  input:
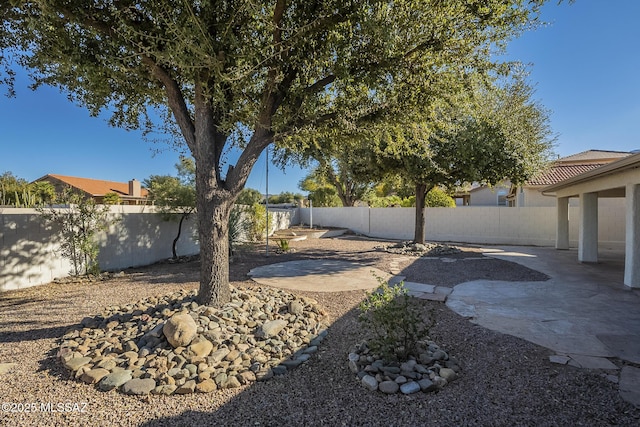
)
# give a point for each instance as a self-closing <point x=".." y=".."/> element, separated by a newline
<point x="33" y="334"/>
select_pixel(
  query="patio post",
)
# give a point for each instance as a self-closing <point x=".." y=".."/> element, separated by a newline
<point x="632" y="239"/>
<point x="588" y="237"/>
<point x="562" y="225"/>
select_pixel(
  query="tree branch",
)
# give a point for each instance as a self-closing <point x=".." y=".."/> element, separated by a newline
<point x="176" y="101"/>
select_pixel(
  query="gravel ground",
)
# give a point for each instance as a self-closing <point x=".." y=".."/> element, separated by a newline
<point x="506" y="381"/>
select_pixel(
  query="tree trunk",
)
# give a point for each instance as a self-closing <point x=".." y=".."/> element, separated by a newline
<point x="421" y="194"/>
<point x="213" y="227"/>
<point x="175" y="241"/>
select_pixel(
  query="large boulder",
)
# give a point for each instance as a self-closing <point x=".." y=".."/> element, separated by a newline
<point x="180" y="330"/>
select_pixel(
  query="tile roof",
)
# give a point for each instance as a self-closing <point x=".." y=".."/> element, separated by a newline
<point x="560" y="172"/>
<point x="594" y="155"/>
<point x="97" y="187"/>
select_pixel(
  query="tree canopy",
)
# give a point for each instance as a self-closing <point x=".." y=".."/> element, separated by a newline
<point x="253" y="72"/>
<point x="493" y="133"/>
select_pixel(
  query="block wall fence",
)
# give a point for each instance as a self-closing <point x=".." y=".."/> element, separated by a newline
<point x="30" y="255"/>
<point x="29" y="251"/>
<point x="534" y="226"/>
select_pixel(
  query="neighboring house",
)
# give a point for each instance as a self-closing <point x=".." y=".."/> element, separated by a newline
<point x="530" y="193"/>
<point x="489" y="196"/>
<point x="130" y="193"/>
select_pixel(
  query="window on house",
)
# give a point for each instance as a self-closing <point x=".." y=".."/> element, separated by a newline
<point x="502" y="199"/>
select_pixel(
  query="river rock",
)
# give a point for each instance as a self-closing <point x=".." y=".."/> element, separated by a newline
<point x="76" y="363"/>
<point x="6" y="367"/>
<point x="271" y="328"/>
<point x="201" y="347"/>
<point x="206" y="386"/>
<point x="410" y="387"/>
<point x="94" y="375"/>
<point x="139" y="386"/>
<point x="186" y="388"/>
<point x="370" y="383"/>
<point x="180" y="330"/>
<point x="114" y="380"/>
<point x="389" y="387"/>
<point x="448" y="374"/>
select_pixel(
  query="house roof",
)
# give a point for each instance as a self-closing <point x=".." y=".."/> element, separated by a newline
<point x="96" y="187"/>
<point x="574" y="165"/>
<point x="559" y="172"/>
<point x="629" y="162"/>
<point x="598" y="156"/>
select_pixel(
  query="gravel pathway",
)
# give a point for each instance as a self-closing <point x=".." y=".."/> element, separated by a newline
<point x="505" y="381"/>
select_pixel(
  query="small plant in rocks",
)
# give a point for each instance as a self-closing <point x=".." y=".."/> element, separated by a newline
<point x="283" y="245"/>
<point x="394" y="320"/>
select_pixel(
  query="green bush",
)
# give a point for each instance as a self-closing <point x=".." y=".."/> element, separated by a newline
<point x="438" y="198"/>
<point x="395" y="321"/>
<point x="256" y="222"/>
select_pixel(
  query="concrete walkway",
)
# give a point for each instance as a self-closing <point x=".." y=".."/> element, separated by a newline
<point x="317" y="275"/>
<point x="584" y="313"/>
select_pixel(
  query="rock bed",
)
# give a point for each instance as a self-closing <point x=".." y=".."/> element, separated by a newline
<point x="420" y="249"/>
<point x="172" y="345"/>
<point x="432" y="370"/>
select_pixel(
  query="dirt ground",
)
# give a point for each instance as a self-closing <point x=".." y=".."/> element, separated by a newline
<point x="506" y="381"/>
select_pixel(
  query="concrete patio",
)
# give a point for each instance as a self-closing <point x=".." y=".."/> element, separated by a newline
<point x="584" y="312"/>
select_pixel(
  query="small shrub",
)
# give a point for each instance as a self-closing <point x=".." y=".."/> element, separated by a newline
<point x="395" y="320"/>
<point x="79" y="225"/>
<point x="283" y="244"/>
<point x="256" y="222"/>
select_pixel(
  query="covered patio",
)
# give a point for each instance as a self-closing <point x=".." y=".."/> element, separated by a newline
<point x="617" y="179"/>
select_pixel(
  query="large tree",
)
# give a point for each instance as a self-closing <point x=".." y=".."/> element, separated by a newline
<point x="253" y="72"/>
<point x="492" y="133"/>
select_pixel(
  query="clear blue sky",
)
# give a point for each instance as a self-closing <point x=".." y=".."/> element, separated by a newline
<point x="584" y="65"/>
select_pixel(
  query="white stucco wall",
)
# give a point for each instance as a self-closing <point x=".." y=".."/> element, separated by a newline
<point x="474" y="224"/>
<point x="30" y="255"/>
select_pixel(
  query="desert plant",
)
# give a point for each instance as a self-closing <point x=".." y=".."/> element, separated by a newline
<point x="283" y="244"/>
<point x="236" y="227"/>
<point x="395" y="321"/>
<point x="79" y="224"/>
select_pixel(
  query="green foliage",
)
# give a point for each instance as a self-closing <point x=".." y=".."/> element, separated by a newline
<point x="438" y="198"/>
<point x="19" y="193"/>
<point x="383" y="202"/>
<point x="256" y="222"/>
<point x="79" y="225"/>
<point x="283" y="245"/>
<point x="249" y="196"/>
<point x="111" y="199"/>
<point x="235" y="73"/>
<point x="236" y="227"/>
<point x="395" y="321"/>
<point x="321" y="193"/>
<point x="285" y="197"/>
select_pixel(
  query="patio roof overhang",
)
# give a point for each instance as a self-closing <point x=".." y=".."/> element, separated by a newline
<point x="617" y="179"/>
<point x="607" y="181"/>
